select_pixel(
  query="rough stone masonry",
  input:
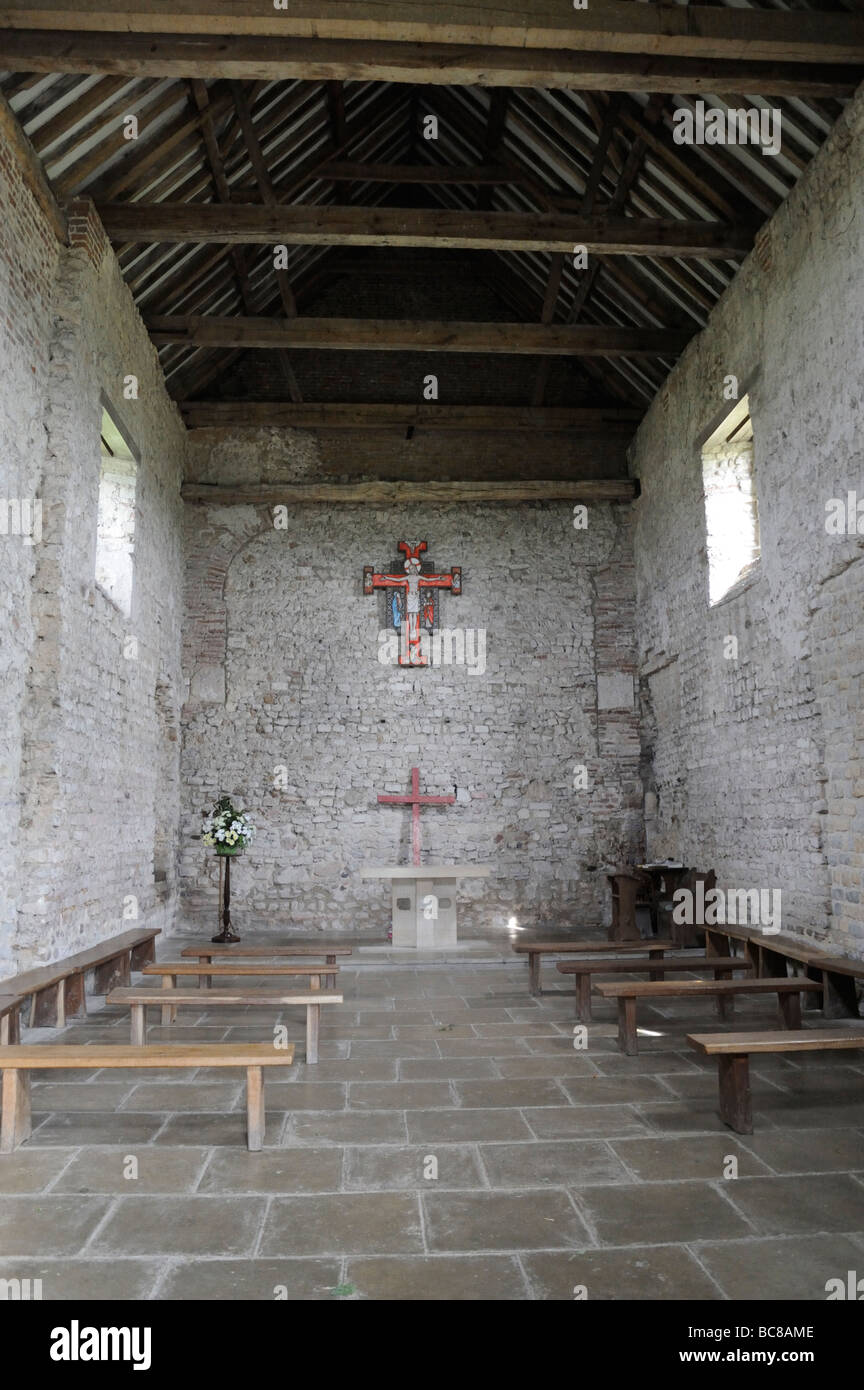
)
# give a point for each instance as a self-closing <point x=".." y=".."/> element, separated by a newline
<point x="291" y="710"/>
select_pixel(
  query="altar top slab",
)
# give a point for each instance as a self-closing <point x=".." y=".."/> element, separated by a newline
<point x="439" y="871"/>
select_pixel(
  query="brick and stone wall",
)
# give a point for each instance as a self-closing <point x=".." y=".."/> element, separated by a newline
<point x="91" y="739"/>
<point x="756" y="762"/>
<point x="290" y="711"/>
<point x="29" y="252"/>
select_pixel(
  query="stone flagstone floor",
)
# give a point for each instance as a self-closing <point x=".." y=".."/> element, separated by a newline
<point x="556" y="1168"/>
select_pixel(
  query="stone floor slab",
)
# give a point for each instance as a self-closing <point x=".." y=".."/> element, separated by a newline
<point x="380" y="1169"/>
<point x="182" y="1226"/>
<point x="650" y="1273"/>
<point x="797" y="1268"/>
<point x="49" y="1225"/>
<point x="277" y="1170"/>
<point x="489" y="1221"/>
<point x="554" y="1162"/>
<point x="348" y="1224"/>
<point x="350" y="1127"/>
<point x="151" y="1169"/>
<point x="239" y="1281"/>
<point x="451" y="1126"/>
<point x="437" y="1278"/>
<point x="659" y="1213"/>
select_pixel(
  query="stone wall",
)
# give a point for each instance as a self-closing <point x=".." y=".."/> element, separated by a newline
<point x="290" y="711"/>
<point x="755" y="762"/>
<point x="29" y="253"/>
<point x="93" y="765"/>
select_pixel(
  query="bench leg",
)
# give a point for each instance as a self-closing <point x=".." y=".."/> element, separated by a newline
<point x="736" y="1105"/>
<point x="840" y="995"/>
<point x="314" y="981"/>
<point x="169" y="1011"/>
<point x="627" y="1040"/>
<point x="313" y="1022"/>
<point x="143" y="954"/>
<point x="113" y="973"/>
<point x="16" y="1123"/>
<point x="205" y="981"/>
<point x="10" y="1028"/>
<point x="533" y="973"/>
<point x="814" y="1000"/>
<point x="725" y="1002"/>
<point x="583" y="998"/>
<point x="655" y="958"/>
<point x="790" y="1010"/>
<point x="255" y="1108"/>
<point x="46" y="1007"/>
<point x="139" y="1026"/>
<point x="75" y="999"/>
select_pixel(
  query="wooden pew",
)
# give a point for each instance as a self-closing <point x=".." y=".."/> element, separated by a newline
<point x="170" y="970"/>
<point x="10" y="1020"/>
<point x="734" y="1050"/>
<point x="261" y="950"/>
<point x="535" y="950"/>
<point x="56" y="991"/>
<point x="628" y="992"/>
<point x="169" y="1000"/>
<point x="17" y="1062"/>
<point x="584" y="969"/>
<point x="772" y="953"/>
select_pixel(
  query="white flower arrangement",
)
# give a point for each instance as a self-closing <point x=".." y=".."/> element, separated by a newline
<point x="226" y="827"/>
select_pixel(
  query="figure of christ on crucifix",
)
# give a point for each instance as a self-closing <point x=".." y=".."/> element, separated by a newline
<point x="412" y="606"/>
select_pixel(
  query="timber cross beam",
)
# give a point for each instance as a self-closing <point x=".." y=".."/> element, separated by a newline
<point x="275" y="59"/>
<point x="399" y="335"/>
<point x="610" y="26"/>
<point x="310" y="225"/>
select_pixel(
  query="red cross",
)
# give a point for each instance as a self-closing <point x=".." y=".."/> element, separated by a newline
<point x="415" y="801"/>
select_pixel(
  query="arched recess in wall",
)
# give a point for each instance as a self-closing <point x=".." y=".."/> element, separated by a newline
<point x="166" y="798"/>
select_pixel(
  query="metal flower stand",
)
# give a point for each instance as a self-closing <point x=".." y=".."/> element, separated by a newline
<point x="225" y="936"/>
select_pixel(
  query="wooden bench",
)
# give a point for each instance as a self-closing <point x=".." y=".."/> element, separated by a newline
<point x="584" y="969"/>
<point x="138" y="998"/>
<point x="733" y="1052"/>
<point x="628" y="992"/>
<point x="771" y="954"/>
<point x="17" y="1062"/>
<point x="56" y="991"/>
<point x="171" y="970"/>
<point x="535" y="950"/>
<point x="261" y="950"/>
<point x="10" y="1018"/>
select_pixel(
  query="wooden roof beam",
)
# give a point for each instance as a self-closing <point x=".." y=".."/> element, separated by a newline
<point x="396" y="335"/>
<point x="437" y="227"/>
<point x="605" y="25"/>
<point x="278" y="59"/>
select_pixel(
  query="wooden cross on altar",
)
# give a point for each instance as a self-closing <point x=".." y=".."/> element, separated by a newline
<point x="413" y="600"/>
<point x="415" y="801"/>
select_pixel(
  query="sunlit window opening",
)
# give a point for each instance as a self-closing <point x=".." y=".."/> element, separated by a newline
<point x="115" y="532"/>
<point x="731" y="507"/>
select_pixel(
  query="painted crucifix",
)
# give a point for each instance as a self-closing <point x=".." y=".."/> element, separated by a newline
<point x="412" y="608"/>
